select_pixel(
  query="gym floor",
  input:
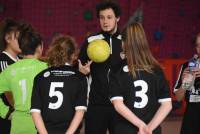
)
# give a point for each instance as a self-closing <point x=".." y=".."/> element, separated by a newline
<point x="171" y="125"/>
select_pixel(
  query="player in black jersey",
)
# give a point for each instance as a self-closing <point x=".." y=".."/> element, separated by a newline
<point x="138" y="88"/>
<point x="191" y="118"/>
<point x="9" y="48"/>
<point x="59" y="97"/>
<point x="99" y="116"/>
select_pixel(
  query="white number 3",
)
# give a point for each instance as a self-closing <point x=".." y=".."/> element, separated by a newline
<point x="57" y="94"/>
<point x="141" y="94"/>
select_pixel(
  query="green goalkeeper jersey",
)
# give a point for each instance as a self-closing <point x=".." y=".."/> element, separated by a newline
<point x="18" y="78"/>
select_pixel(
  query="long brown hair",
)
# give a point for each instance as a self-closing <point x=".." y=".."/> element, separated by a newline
<point x="137" y="49"/>
<point x="61" y="51"/>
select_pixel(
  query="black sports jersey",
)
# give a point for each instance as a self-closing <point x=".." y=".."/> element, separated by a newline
<point x="96" y="121"/>
<point x="57" y="93"/>
<point x="143" y="94"/>
<point x="99" y="71"/>
<point x="191" y="119"/>
<point x="5" y="60"/>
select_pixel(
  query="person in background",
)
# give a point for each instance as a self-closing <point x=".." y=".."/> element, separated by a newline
<point x="191" y="118"/>
<point x="100" y="113"/>
<point x="59" y="97"/>
<point x="18" y="79"/>
<point x="9" y="50"/>
<point x="138" y="88"/>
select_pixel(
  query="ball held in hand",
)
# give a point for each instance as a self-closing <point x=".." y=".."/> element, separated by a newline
<point x="98" y="51"/>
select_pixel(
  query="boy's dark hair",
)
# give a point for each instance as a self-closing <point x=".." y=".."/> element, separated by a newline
<point x="7" y="26"/>
<point x="106" y="5"/>
<point x="28" y="40"/>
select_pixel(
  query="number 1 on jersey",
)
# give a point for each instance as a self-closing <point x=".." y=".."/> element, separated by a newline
<point x="22" y="83"/>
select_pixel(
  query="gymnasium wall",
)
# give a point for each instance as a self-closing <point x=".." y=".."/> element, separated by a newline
<point x="171" y="25"/>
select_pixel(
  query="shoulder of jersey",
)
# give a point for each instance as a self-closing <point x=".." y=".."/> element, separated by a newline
<point x="158" y="71"/>
<point x="99" y="36"/>
<point x="46" y="73"/>
<point x="93" y="37"/>
<point x="3" y="57"/>
<point x="4" y="61"/>
<point x="121" y="66"/>
<point x="43" y="62"/>
<point x="43" y="73"/>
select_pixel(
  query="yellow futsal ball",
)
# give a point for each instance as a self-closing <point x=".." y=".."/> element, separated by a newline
<point x="98" y="51"/>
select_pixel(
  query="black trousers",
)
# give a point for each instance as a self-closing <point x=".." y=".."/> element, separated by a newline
<point x="191" y="120"/>
<point x="99" y="119"/>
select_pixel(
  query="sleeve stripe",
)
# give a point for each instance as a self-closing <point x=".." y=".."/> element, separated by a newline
<point x="81" y="108"/>
<point x="10" y="56"/>
<point x="35" y="110"/>
<point x="95" y="37"/>
<point x="175" y="89"/>
<point x="176" y="84"/>
<point x="89" y="81"/>
<point x="3" y="65"/>
<point x="116" y="98"/>
<point x="6" y="64"/>
<point x="164" y="100"/>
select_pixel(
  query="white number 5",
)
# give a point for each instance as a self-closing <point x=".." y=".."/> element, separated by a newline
<point x="57" y="94"/>
<point x="141" y="94"/>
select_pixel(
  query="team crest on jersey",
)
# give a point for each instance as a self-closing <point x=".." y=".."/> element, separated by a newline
<point x="46" y="74"/>
<point x="125" y="68"/>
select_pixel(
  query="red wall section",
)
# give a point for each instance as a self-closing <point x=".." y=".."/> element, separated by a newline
<point x="177" y="20"/>
<point x="171" y="68"/>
